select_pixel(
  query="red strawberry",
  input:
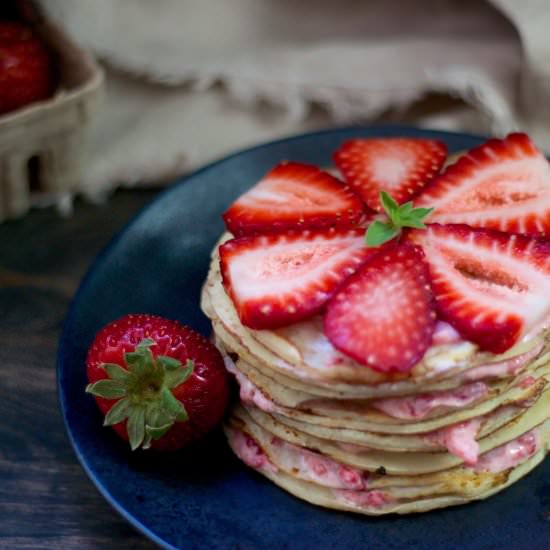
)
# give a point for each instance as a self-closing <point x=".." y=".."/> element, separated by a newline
<point x="503" y="184"/>
<point x="25" y="67"/>
<point x="279" y="279"/>
<point x="491" y="286"/>
<point x="294" y="196"/>
<point x="159" y="383"/>
<point x="384" y="316"/>
<point x="399" y="166"/>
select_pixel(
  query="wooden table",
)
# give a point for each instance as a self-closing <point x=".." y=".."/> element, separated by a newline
<point x="46" y="500"/>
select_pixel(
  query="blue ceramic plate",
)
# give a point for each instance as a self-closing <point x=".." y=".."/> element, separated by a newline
<point x="203" y="497"/>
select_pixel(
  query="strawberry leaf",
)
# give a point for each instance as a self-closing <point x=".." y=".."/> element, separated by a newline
<point x="156" y="415"/>
<point x="182" y="416"/>
<point x="147" y="439"/>
<point x="115" y="372"/>
<point x="108" y="389"/>
<point x="157" y="432"/>
<point x="146" y="343"/>
<point x="169" y="363"/>
<point x="174" y="378"/>
<point x="136" y="363"/>
<point x="136" y="426"/>
<point x="141" y="362"/>
<point x="173" y="406"/>
<point x="117" y="413"/>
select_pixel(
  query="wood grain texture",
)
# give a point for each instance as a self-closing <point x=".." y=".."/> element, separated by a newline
<point x="46" y="500"/>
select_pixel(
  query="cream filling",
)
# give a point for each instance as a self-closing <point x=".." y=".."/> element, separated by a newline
<point x="248" y="392"/>
<point x="459" y="439"/>
<point x="510" y="454"/>
<point x="419" y="406"/>
<point x="248" y="450"/>
<point x="350" y="485"/>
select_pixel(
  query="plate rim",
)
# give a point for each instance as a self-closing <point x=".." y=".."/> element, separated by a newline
<point x="101" y="257"/>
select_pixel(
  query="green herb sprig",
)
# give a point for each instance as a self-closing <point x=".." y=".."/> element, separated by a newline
<point x="399" y="216"/>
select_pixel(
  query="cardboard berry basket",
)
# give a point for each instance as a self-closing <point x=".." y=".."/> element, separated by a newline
<point x="41" y="144"/>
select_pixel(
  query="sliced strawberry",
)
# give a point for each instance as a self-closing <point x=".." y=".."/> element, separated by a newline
<point x="294" y="196"/>
<point x="491" y="286"/>
<point x="384" y="316"/>
<point x="278" y="279"/>
<point x="399" y="166"/>
<point x="503" y="184"/>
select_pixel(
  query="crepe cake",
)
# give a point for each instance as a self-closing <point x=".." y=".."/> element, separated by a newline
<point x="389" y="333"/>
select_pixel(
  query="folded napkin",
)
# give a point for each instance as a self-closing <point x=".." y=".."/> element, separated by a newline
<point x="191" y="80"/>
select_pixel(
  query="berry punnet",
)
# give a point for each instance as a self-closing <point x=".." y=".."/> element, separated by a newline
<point x="25" y="67"/>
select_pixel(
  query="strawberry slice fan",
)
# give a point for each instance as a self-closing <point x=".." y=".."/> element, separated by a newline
<point x="397" y="321"/>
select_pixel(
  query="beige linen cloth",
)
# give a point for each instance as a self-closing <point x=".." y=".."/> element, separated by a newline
<point x="191" y="80"/>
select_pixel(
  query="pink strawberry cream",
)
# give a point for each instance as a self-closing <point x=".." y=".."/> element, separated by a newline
<point x="445" y="334"/>
<point x="248" y="392"/>
<point x="315" y="467"/>
<point x="502" y="369"/>
<point x="364" y="499"/>
<point x="459" y="439"/>
<point x="246" y="448"/>
<point x="511" y="454"/>
<point x="419" y="406"/>
<point x="526" y="381"/>
<point x="301" y="462"/>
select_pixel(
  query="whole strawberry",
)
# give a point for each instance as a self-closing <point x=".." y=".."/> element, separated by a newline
<point x="159" y="383"/>
<point x="25" y="67"/>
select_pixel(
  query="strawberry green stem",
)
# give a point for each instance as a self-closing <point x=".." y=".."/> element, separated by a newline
<point x="142" y="388"/>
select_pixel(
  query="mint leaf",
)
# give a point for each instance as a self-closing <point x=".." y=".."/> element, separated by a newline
<point x="390" y="206"/>
<point x="400" y="216"/>
<point x="378" y="233"/>
<point x="423" y="212"/>
<point x="405" y="209"/>
<point x="415" y="218"/>
<point x="412" y="222"/>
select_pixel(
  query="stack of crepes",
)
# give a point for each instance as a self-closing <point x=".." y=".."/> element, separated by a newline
<point x="455" y="424"/>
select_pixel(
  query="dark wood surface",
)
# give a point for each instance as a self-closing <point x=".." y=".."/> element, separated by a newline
<point x="46" y="500"/>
